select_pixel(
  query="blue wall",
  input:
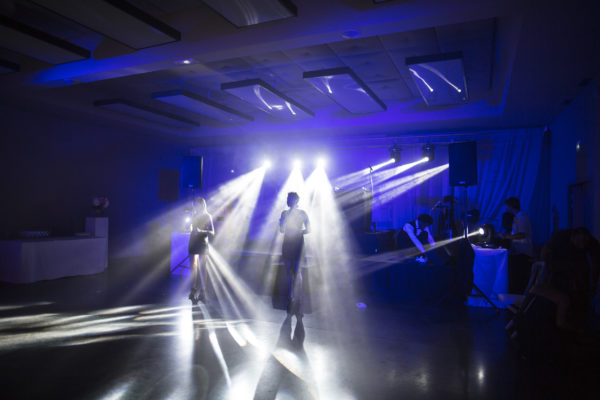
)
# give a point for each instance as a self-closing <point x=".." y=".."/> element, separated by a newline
<point x="578" y="122"/>
<point x="53" y="166"/>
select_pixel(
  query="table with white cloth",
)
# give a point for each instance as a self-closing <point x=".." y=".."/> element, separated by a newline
<point x="32" y="260"/>
<point x="490" y="270"/>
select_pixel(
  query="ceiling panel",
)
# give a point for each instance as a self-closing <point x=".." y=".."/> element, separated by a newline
<point x="118" y="20"/>
<point x="32" y="42"/>
<point x="289" y="76"/>
<point x="268" y="98"/>
<point x="344" y="87"/>
<point x="353" y="47"/>
<point x="243" y="13"/>
<point x="310" y="97"/>
<point x="395" y="89"/>
<point x="372" y="67"/>
<point x="410" y="41"/>
<point x="475" y="41"/>
<point x="314" y="57"/>
<point x="268" y="60"/>
<point x="229" y="66"/>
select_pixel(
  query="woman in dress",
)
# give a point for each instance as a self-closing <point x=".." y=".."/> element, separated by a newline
<point x="294" y="224"/>
<point x="201" y="228"/>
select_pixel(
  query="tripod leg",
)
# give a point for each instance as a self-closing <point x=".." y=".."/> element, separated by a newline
<point x="180" y="265"/>
<point x="480" y="292"/>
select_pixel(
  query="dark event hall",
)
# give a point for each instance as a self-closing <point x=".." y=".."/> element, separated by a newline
<point x="300" y="199"/>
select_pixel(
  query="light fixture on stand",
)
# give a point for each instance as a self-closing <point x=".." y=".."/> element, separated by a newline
<point x="395" y="153"/>
<point x="429" y="152"/>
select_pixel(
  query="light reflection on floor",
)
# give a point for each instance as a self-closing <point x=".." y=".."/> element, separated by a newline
<point x="174" y="350"/>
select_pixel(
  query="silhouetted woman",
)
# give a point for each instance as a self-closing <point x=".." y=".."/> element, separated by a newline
<point x="201" y="227"/>
<point x="294" y="224"/>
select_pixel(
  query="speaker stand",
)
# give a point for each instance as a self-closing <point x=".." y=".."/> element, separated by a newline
<point x="466" y="231"/>
<point x="180" y="264"/>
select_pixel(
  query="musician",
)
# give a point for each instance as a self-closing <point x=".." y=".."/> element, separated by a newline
<point x="416" y="235"/>
<point x="520" y="253"/>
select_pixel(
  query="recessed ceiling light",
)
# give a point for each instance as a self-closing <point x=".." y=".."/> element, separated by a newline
<point x="351" y="34"/>
<point x="186" y="61"/>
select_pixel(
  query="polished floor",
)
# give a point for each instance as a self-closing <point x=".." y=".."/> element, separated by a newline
<point x="117" y="335"/>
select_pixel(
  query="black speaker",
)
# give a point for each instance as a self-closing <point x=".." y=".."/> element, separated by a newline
<point x="463" y="163"/>
<point x="168" y="184"/>
<point x="191" y="172"/>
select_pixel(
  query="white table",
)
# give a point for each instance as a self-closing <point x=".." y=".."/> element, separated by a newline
<point x="31" y="260"/>
<point x="490" y="270"/>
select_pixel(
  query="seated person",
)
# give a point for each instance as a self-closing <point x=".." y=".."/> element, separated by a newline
<point x="520" y="253"/>
<point x="415" y="235"/>
<point x="507" y="222"/>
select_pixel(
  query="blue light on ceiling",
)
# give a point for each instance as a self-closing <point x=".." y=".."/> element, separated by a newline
<point x="344" y="87"/>
<point x="439" y="78"/>
<point x="265" y="97"/>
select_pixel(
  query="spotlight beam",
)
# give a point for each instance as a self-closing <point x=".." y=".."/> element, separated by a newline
<point x="361" y="178"/>
<point x="397" y="187"/>
<point x="389" y="173"/>
<point x="331" y="246"/>
<point x="232" y="233"/>
<point x="214" y="342"/>
<point x="384" y="260"/>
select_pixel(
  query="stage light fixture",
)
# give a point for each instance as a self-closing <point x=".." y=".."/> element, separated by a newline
<point x="429" y="152"/>
<point x="487" y="233"/>
<point x="395" y="153"/>
<point x="321" y="162"/>
<point x="297" y="163"/>
<point x="266" y="164"/>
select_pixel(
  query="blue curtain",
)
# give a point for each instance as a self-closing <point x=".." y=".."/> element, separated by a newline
<point x="508" y="163"/>
<point x="507" y="166"/>
<point x="540" y="213"/>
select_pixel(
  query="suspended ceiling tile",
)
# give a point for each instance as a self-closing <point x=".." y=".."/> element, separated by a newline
<point x="476" y="42"/>
<point x="396" y="90"/>
<point x="314" y="57"/>
<point x="410" y="40"/>
<point x="145" y="112"/>
<point x="309" y="53"/>
<point x="264" y="96"/>
<point x="287" y="75"/>
<point x="354" y="47"/>
<point x="245" y="13"/>
<point x="311" y="97"/>
<point x="269" y="60"/>
<point x="32" y="42"/>
<point x="440" y="78"/>
<point x="230" y="65"/>
<point x="344" y="87"/>
<point x="118" y="20"/>
<point x="202" y="105"/>
<point x="373" y="66"/>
